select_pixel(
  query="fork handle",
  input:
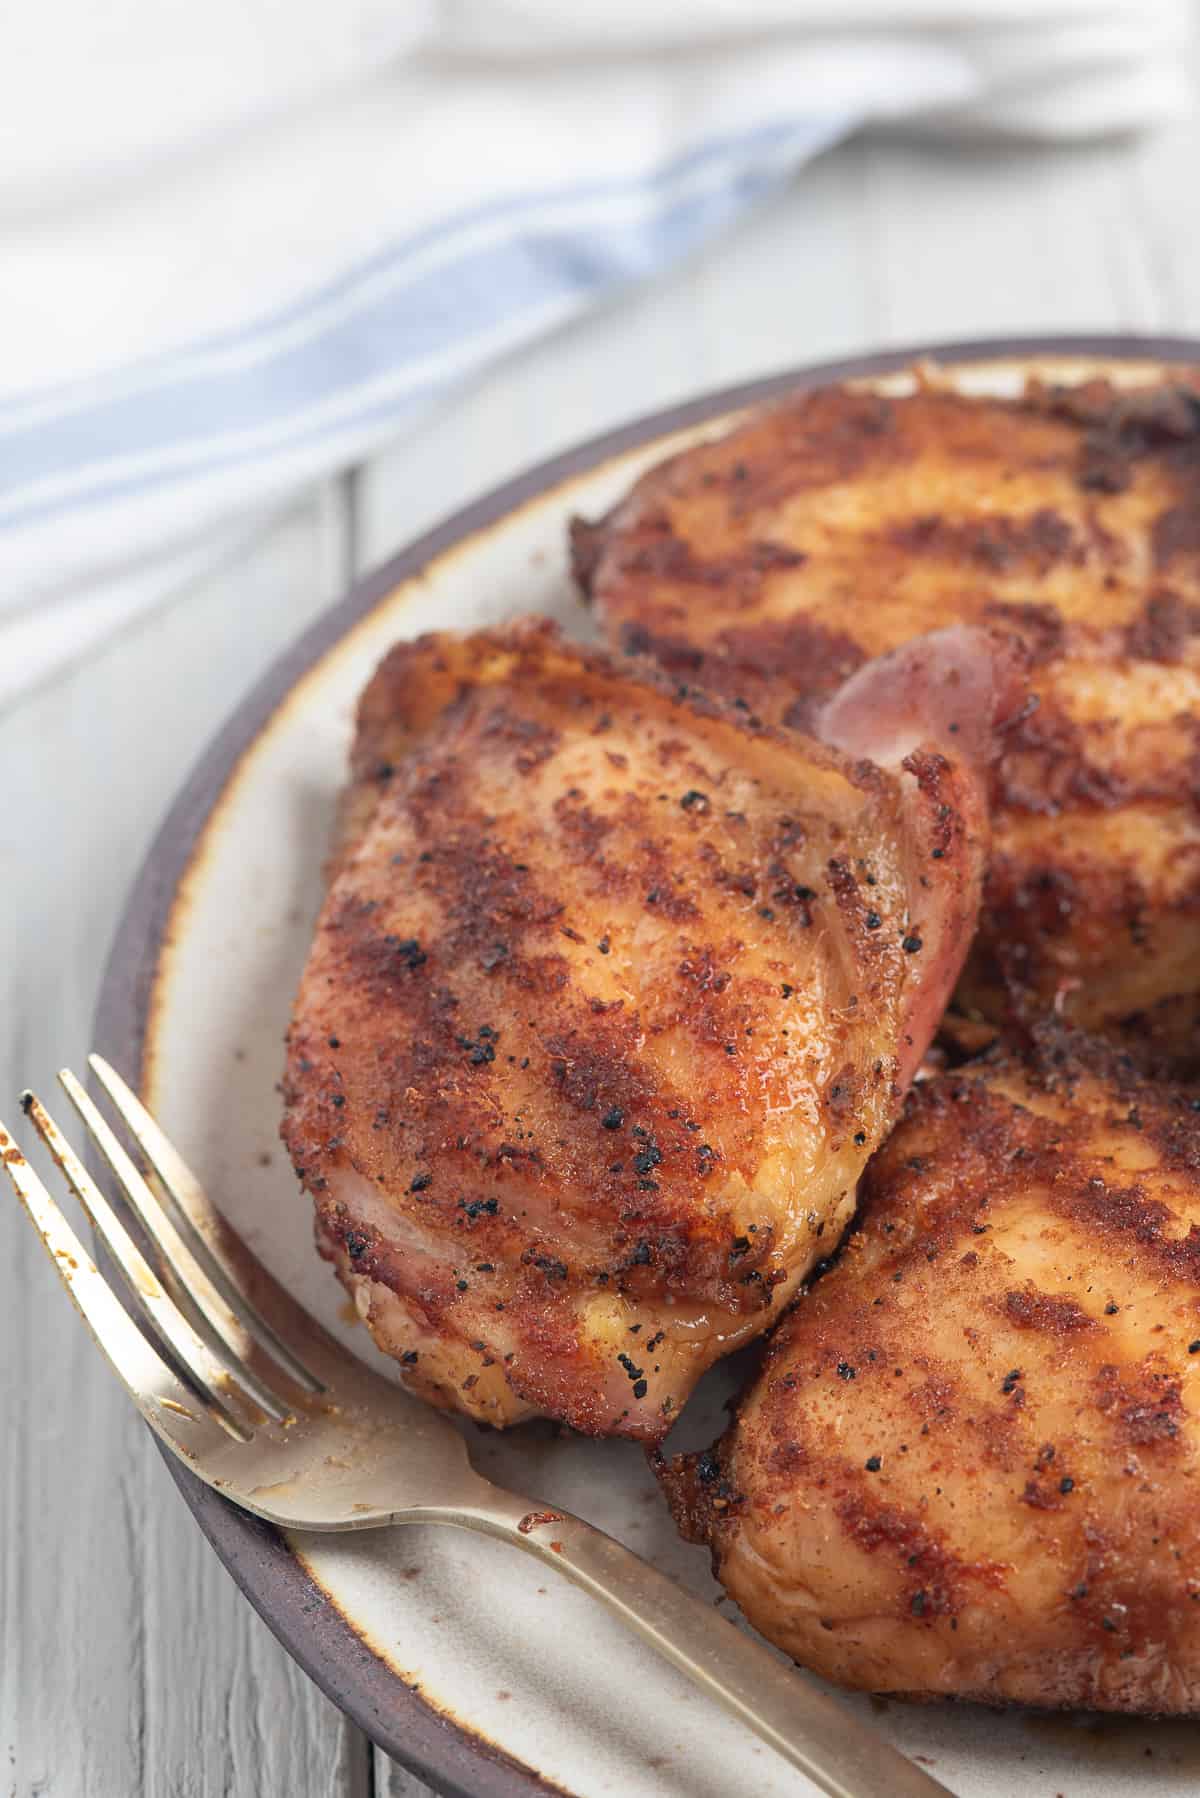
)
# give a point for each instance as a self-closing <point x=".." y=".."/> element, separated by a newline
<point x="815" y="1733"/>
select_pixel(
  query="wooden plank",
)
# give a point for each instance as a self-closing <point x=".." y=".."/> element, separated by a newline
<point x="131" y="1664"/>
<point x="1159" y="205"/>
<point x="391" y="1781"/>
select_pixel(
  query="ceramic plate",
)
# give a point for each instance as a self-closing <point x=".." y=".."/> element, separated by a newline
<point x="461" y="1658"/>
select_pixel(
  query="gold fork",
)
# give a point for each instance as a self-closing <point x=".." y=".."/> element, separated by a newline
<point x="271" y="1411"/>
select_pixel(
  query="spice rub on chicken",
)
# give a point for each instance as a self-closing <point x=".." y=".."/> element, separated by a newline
<point x="969" y="1466"/>
<point x="825" y="530"/>
<point x="613" y="993"/>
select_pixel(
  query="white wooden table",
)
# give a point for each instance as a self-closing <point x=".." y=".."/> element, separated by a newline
<point x="129" y="1663"/>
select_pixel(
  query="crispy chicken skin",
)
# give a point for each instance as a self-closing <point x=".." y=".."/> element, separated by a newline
<point x="822" y="531"/>
<point x="969" y="1466"/>
<point x="613" y="993"/>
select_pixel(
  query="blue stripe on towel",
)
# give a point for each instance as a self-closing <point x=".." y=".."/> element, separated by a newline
<point x="402" y="331"/>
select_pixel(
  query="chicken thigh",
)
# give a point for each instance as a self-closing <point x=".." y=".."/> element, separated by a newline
<point x="614" y="991"/>
<point x="969" y="1465"/>
<point x="772" y="562"/>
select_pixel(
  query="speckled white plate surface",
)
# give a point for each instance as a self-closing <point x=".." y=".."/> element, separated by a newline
<point x="458" y="1656"/>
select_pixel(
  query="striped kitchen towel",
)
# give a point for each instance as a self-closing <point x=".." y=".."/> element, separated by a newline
<point x="242" y="245"/>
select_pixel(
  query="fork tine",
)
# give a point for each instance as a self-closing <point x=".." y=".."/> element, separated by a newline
<point x="149" y="1381"/>
<point x="193" y="1353"/>
<point x="196" y="1210"/>
<point x="180" y="1265"/>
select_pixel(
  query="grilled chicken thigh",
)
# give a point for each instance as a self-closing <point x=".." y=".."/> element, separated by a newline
<point x="822" y="531"/>
<point x="970" y="1463"/>
<point x="614" y="992"/>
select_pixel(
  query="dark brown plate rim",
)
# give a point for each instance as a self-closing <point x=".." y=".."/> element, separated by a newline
<point x="302" y="1616"/>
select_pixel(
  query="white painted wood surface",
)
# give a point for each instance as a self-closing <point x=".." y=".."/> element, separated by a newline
<point x="128" y="1662"/>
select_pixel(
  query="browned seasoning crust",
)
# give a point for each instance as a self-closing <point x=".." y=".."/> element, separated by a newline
<point x="822" y="531"/>
<point x="604" y="1014"/>
<point x="969" y="1466"/>
<point x="400" y="704"/>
